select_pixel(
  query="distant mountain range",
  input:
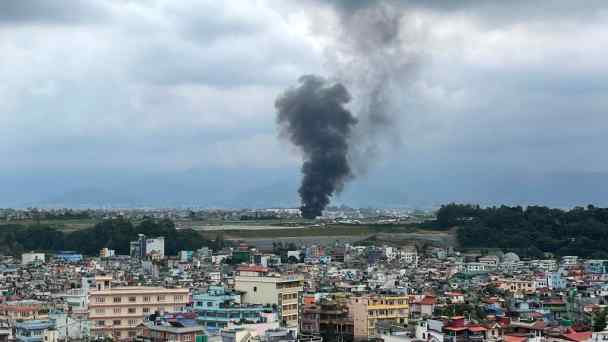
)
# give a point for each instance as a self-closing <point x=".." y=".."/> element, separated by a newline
<point x="271" y="188"/>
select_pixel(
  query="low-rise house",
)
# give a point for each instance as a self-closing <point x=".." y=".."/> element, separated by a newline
<point x="35" y="331"/>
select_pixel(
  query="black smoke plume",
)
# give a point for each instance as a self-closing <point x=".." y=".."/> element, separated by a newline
<point x="313" y="117"/>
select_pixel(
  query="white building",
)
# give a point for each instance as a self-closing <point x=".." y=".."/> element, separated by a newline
<point x="156" y="245"/>
<point x="28" y="258"/>
<point x="410" y="255"/>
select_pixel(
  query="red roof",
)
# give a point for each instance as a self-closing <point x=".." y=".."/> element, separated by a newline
<point x="577" y="336"/>
<point x="455" y="328"/>
<point x="252" y="268"/>
<point x="427" y="300"/>
<point x="476" y="329"/>
<point x="510" y="338"/>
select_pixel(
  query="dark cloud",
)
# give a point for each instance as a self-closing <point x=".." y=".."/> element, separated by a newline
<point x="51" y="12"/>
<point x="471" y="88"/>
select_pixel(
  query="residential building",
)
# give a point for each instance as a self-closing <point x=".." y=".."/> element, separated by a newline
<point x="172" y="328"/>
<point x="516" y="285"/>
<point x="13" y="311"/>
<point x="68" y="256"/>
<point x="329" y="319"/>
<point x="144" y="247"/>
<point x="259" y="286"/>
<point x="28" y="258"/>
<point x="367" y="310"/>
<point x="106" y="253"/>
<point x="35" y="331"/>
<point x="117" y="311"/>
<point x="219" y="307"/>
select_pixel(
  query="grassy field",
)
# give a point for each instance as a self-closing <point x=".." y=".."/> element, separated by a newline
<point x="331" y="230"/>
<point x="264" y="229"/>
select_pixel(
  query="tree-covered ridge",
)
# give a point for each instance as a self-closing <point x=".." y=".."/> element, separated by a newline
<point x="114" y="234"/>
<point x="530" y="231"/>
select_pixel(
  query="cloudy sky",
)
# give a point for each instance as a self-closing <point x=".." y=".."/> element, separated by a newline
<point x="501" y="101"/>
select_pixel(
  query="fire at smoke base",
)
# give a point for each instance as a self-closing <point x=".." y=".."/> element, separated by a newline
<point x="312" y="117"/>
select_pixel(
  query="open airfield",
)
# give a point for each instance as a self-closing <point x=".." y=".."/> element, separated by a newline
<point x="262" y="234"/>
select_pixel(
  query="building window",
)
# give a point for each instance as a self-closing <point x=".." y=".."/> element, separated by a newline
<point x="100" y="310"/>
<point x="188" y="338"/>
<point x="145" y="310"/>
<point x="117" y="299"/>
<point x="117" y="310"/>
<point x="176" y="298"/>
<point x="101" y="323"/>
<point x="132" y="322"/>
<point x="160" y="298"/>
<point x="132" y="310"/>
<point x="132" y="299"/>
<point x="132" y="333"/>
<point x="146" y="298"/>
<point x="100" y="299"/>
<point x="255" y="289"/>
<point x="117" y="322"/>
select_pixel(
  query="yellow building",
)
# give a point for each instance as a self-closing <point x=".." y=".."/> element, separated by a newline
<point x="262" y="287"/>
<point x="515" y="285"/>
<point x="368" y="310"/>
<point x="117" y="311"/>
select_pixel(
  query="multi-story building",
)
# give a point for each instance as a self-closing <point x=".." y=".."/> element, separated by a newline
<point x="596" y="266"/>
<point x="13" y="311"/>
<point x="143" y="247"/>
<point x="328" y="319"/>
<point x="515" y="285"/>
<point x="410" y="255"/>
<point x="367" y="311"/>
<point x="117" y="311"/>
<point x="259" y="286"/>
<point x="218" y="307"/>
<point x="35" y="331"/>
<point x="182" y="327"/>
<point x="27" y="258"/>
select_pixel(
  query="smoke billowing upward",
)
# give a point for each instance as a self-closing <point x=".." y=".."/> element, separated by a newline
<point x="374" y="53"/>
<point x="312" y="116"/>
<point x="369" y="53"/>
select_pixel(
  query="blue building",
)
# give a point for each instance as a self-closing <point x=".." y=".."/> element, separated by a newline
<point x="68" y="256"/>
<point x="219" y="306"/>
<point x="556" y="281"/>
<point x="596" y="266"/>
<point x="35" y="331"/>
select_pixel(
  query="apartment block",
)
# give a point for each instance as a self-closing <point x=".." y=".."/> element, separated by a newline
<point x="117" y="311"/>
<point x="367" y="311"/>
<point x="263" y="287"/>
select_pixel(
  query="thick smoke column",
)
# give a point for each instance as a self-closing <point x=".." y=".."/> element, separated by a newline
<point x="312" y="116"/>
<point x="373" y="51"/>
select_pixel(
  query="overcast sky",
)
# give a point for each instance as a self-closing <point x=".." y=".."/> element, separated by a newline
<point x="501" y="87"/>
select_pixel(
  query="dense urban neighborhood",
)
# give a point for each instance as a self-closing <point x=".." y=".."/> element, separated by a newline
<point x="150" y="284"/>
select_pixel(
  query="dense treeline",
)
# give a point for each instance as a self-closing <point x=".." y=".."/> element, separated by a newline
<point x="114" y="234"/>
<point x="530" y="231"/>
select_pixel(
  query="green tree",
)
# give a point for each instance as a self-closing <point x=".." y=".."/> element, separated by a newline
<point x="599" y="320"/>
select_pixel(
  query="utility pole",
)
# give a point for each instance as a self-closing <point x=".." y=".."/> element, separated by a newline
<point x="67" y="332"/>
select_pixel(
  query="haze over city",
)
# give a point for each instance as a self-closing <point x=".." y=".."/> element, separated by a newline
<point x="172" y="103"/>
